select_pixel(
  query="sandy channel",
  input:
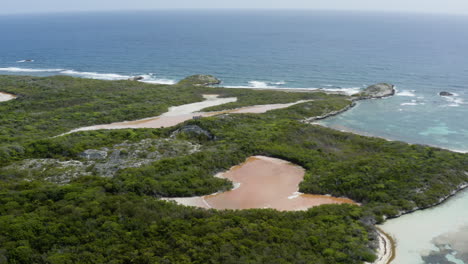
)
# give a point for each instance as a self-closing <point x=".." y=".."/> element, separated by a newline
<point x="263" y="182"/>
<point x="182" y="113"/>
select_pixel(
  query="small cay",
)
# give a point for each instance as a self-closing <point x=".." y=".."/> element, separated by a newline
<point x="263" y="182"/>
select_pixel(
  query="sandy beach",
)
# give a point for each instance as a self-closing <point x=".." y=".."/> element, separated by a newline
<point x="386" y="250"/>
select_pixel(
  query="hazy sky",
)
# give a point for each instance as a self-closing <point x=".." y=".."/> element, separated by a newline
<point x="426" y="6"/>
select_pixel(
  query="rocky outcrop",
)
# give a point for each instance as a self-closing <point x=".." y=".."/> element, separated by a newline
<point x="136" y="78"/>
<point x="379" y="90"/>
<point x="92" y="154"/>
<point x="194" y="130"/>
<point x="200" y="80"/>
<point x="105" y="162"/>
<point x="333" y="113"/>
<point x="445" y="93"/>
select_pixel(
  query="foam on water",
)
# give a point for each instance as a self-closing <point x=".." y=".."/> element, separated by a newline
<point x="259" y="84"/>
<point x="151" y="78"/>
<point x="454" y="101"/>
<point x="347" y="91"/>
<point x="279" y="85"/>
<point x="147" y="78"/>
<point x="95" y="75"/>
<point x="406" y="93"/>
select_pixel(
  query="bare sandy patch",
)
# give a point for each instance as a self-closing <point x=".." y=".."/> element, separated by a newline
<point x="182" y="113"/>
<point x="263" y="182"/>
<point x="6" y="97"/>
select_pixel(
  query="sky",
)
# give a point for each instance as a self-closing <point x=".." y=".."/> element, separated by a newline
<point x="415" y="6"/>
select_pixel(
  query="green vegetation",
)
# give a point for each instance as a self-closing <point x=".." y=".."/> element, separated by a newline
<point x="50" y="106"/>
<point x="95" y="219"/>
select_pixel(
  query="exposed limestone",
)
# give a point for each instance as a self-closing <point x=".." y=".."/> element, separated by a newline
<point x="193" y="130"/>
<point x="200" y="80"/>
<point x="379" y="90"/>
<point x="92" y="154"/>
<point x="104" y="162"/>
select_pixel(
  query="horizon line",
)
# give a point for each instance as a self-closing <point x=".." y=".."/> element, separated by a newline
<point x="198" y="9"/>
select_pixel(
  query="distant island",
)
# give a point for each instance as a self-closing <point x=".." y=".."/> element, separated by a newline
<point x="88" y="169"/>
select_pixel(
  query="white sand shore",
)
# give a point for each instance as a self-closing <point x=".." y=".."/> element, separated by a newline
<point x="6" y="97"/>
<point x="386" y="249"/>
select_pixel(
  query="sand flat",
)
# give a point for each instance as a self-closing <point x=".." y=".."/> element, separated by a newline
<point x="182" y="113"/>
<point x="6" y="97"/>
<point x="263" y="182"/>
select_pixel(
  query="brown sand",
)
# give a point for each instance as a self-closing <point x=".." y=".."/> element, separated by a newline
<point x="182" y="113"/>
<point x="263" y="182"/>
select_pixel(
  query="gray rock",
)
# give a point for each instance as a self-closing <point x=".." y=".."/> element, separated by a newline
<point x="92" y="154"/>
<point x="200" y="80"/>
<point x="376" y="91"/>
<point x="445" y="93"/>
<point x="136" y="78"/>
<point x="193" y="129"/>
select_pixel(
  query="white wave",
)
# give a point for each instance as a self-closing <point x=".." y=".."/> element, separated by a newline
<point x="16" y="69"/>
<point x="21" y="61"/>
<point x="406" y="93"/>
<point x="259" y="84"/>
<point x="409" y="104"/>
<point x="413" y="102"/>
<point x="347" y="91"/>
<point x="96" y="75"/>
<point x="279" y="83"/>
<point x="147" y="78"/>
<point x="150" y="78"/>
<point x="275" y="85"/>
<point x="454" y="101"/>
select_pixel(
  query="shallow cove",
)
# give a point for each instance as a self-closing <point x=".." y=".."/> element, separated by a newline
<point x="263" y="182"/>
<point x="435" y="235"/>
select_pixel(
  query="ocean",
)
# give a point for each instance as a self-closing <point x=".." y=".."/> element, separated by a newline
<point x="341" y="51"/>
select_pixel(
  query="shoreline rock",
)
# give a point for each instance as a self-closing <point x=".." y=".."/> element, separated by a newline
<point x="334" y="113"/>
<point x="136" y="78"/>
<point x="200" y="80"/>
<point x="375" y="91"/>
<point x="444" y="93"/>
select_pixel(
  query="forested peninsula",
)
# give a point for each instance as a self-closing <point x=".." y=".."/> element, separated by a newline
<point x="95" y="196"/>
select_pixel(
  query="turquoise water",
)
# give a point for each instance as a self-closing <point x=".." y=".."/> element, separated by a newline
<point x="419" y="117"/>
<point x="436" y="235"/>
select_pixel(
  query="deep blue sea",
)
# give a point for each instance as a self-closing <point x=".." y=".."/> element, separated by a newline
<point x="421" y="54"/>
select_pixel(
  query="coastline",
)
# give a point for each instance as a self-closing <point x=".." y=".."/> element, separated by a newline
<point x="387" y="245"/>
